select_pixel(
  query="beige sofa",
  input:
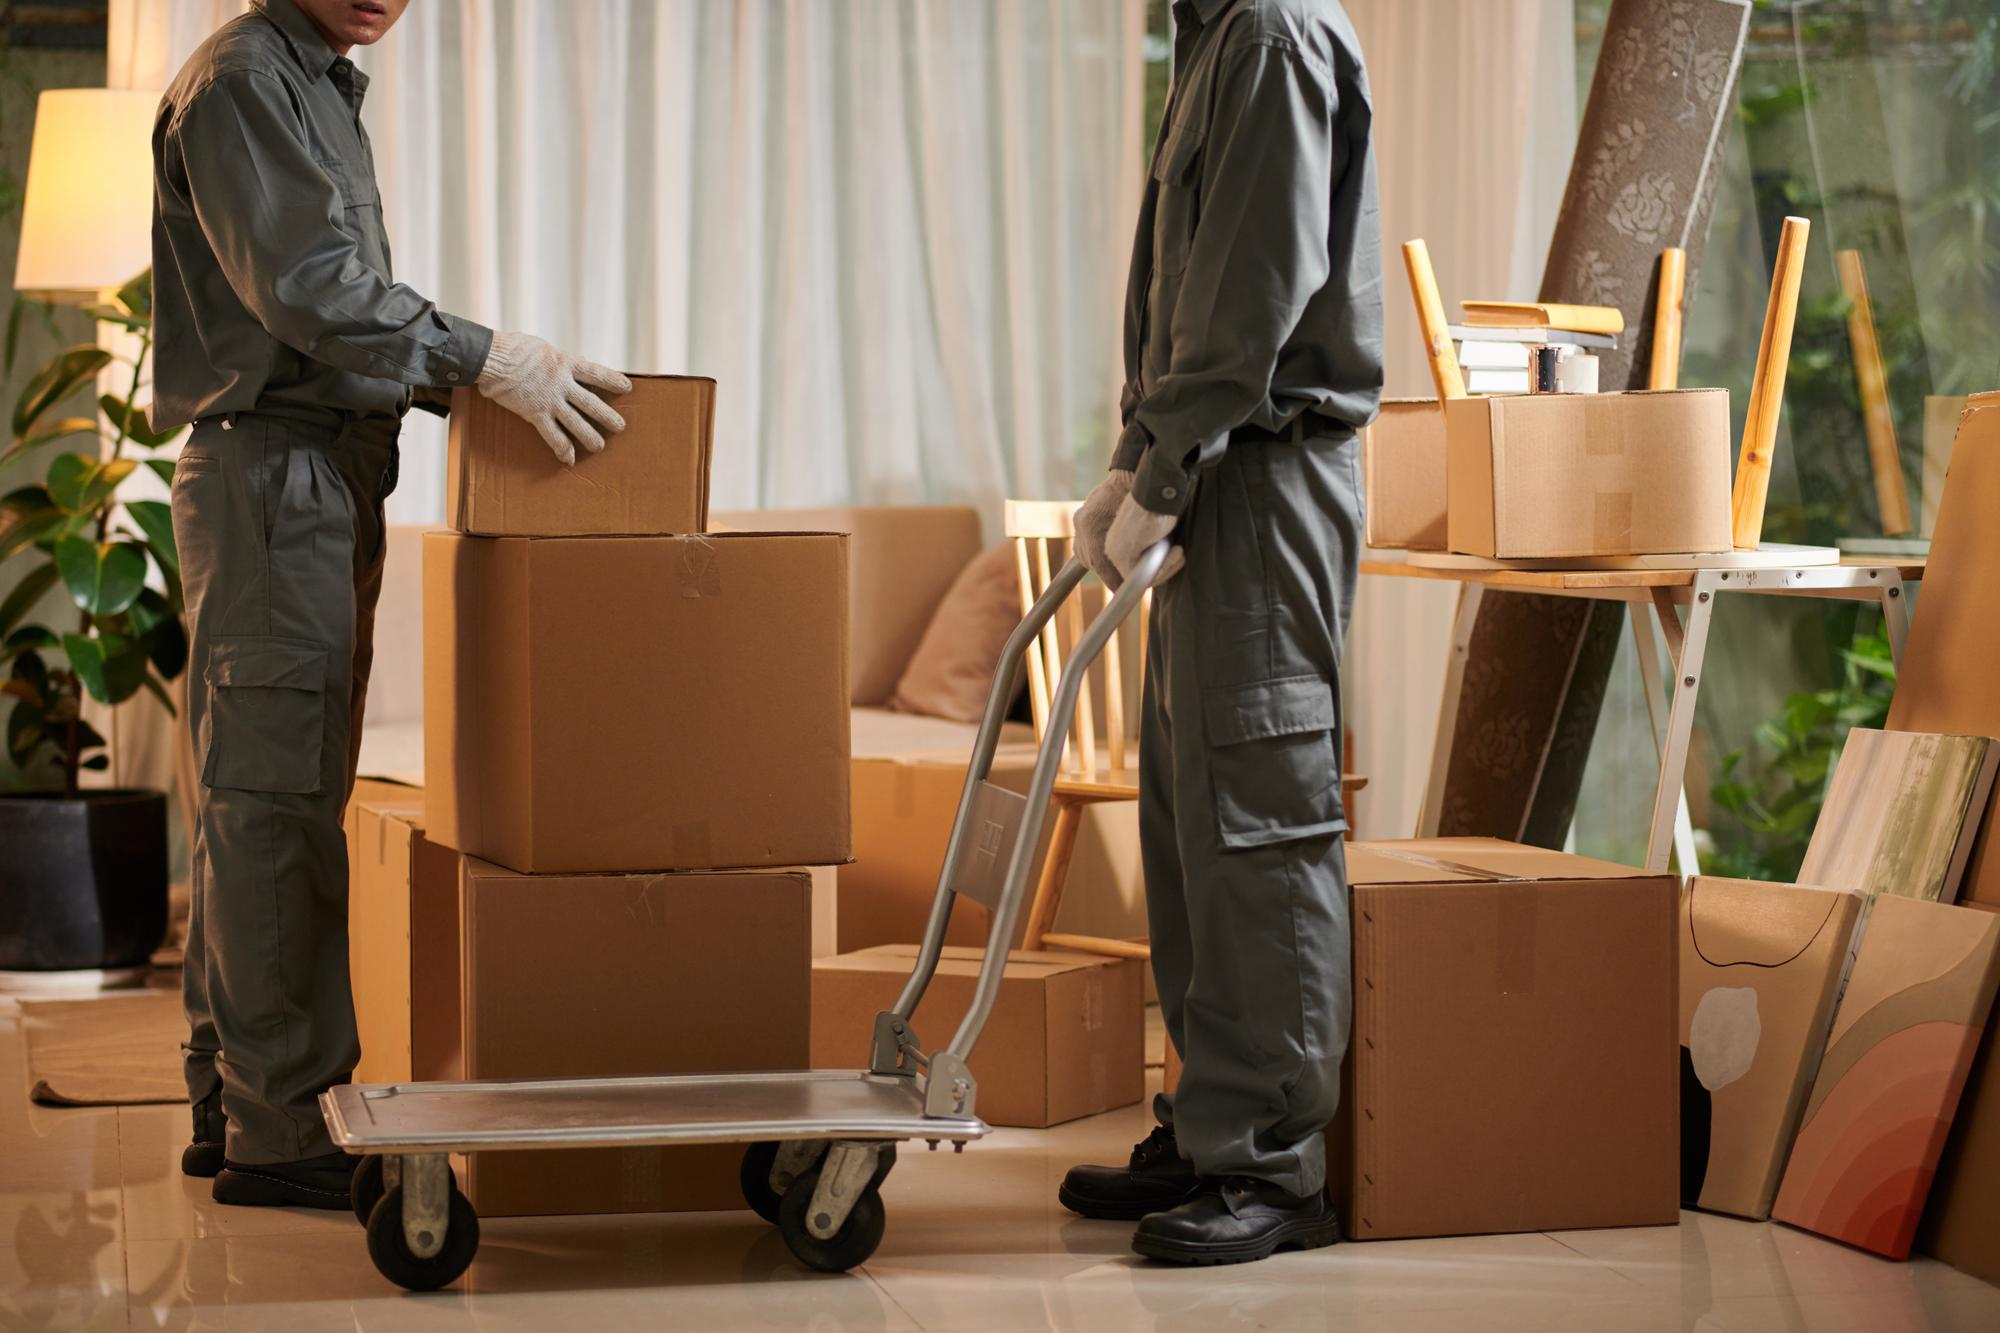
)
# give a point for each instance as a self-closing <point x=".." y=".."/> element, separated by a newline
<point x="908" y="769"/>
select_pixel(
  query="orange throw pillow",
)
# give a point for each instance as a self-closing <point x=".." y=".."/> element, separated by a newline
<point x="951" y="672"/>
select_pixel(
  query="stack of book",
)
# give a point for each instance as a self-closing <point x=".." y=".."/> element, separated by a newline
<point x="1493" y="341"/>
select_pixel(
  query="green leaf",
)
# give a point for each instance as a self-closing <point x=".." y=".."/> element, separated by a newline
<point x="27" y="516"/>
<point x="26" y="733"/>
<point x="43" y="435"/>
<point x="106" y="665"/>
<point x="159" y="692"/>
<point x="28" y="638"/>
<point x="56" y="382"/>
<point x="80" y="484"/>
<point x="156" y="519"/>
<point x="137" y="295"/>
<point x="163" y="468"/>
<point x="154" y="620"/>
<point x="113" y="314"/>
<point x="24" y="595"/>
<point x="103" y="578"/>
<point x="133" y="420"/>
<point x="97" y="763"/>
<point x="14" y="330"/>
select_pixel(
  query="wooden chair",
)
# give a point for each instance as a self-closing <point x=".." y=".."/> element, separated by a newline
<point x="1092" y="774"/>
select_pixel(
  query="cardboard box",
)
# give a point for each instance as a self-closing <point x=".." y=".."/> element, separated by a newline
<point x="651" y="478"/>
<point x="903" y="809"/>
<point x="1761" y="967"/>
<point x="1402" y="471"/>
<point x="637" y="703"/>
<point x="597" y="976"/>
<point x="392" y="793"/>
<point x="1065" y="1039"/>
<point x="1550" y="475"/>
<point x="402" y="932"/>
<point x="1514" y="1063"/>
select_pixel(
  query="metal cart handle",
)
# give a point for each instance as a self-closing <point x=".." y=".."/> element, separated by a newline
<point x="1055" y="736"/>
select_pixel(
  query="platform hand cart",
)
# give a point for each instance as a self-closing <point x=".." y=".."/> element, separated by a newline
<point x="820" y="1142"/>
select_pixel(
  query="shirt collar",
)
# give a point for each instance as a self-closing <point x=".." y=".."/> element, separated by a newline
<point x="1205" y="11"/>
<point x="309" y="48"/>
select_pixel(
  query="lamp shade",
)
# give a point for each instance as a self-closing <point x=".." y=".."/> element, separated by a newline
<point x="86" y="224"/>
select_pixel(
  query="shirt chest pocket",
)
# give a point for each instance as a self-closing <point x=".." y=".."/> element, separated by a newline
<point x="1177" y="180"/>
<point x="353" y="182"/>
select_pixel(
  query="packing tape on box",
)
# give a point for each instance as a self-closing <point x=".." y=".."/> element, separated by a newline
<point x="700" y="575"/>
<point x="647" y="904"/>
<point x="1440" y="863"/>
<point x="691" y="843"/>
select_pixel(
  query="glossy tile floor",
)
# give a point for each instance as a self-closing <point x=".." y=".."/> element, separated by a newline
<point x="102" y="1232"/>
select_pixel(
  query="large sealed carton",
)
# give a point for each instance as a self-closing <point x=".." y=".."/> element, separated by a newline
<point x="1761" y="967"/>
<point x="651" y="478"/>
<point x="1514" y="1063"/>
<point x="903" y="810"/>
<point x="1553" y="475"/>
<point x="1065" y="1039"/>
<point x="402" y="930"/>
<point x="603" y="976"/>
<point x="1402" y="471"/>
<point x="637" y="703"/>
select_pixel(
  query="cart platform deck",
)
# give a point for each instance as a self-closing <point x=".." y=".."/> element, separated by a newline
<point x="629" y="1112"/>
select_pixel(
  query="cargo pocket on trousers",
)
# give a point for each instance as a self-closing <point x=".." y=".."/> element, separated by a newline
<point x="1273" y="764"/>
<point x="266" y="715"/>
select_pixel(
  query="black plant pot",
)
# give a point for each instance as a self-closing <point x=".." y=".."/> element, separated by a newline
<point x="83" y="880"/>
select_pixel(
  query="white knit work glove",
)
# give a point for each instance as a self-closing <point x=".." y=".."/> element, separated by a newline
<point x="1093" y="522"/>
<point x="1132" y="534"/>
<point x="557" y="393"/>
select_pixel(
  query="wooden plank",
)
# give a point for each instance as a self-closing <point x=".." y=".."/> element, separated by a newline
<point x="1885" y="455"/>
<point x="1666" y="368"/>
<point x="1431" y="321"/>
<point x="1767" y="387"/>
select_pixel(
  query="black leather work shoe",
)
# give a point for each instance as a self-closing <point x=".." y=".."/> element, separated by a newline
<point x="1235" y="1220"/>
<point x="316" y="1182"/>
<point x="1155" y="1177"/>
<point x="203" y="1155"/>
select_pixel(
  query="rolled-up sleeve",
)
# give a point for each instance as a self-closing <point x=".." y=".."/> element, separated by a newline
<point x="271" y="215"/>
<point x="1258" y="254"/>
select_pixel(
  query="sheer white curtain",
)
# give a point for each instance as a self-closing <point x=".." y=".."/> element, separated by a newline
<point x="1475" y="122"/>
<point x="894" y="232"/>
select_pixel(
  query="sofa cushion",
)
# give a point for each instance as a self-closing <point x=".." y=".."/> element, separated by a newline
<point x="879" y="733"/>
<point x="900" y="562"/>
<point x="951" y="672"/>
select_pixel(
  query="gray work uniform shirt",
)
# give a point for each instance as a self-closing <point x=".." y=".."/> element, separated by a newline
<point x="1255" y="297"/>
<point x="271" y="278"/>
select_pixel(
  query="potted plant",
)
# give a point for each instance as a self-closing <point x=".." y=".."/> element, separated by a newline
<point x="83" y="880"/>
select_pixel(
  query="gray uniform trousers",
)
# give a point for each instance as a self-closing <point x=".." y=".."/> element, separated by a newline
<point x="278" y="517"/>
<point x="1240" y="816"/>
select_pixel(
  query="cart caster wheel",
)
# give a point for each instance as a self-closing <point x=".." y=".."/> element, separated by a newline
<point x="755" y="1177"/>
<point x="851" y="1245"/>
<point x="391" y="1252"/>
<point x="367" y="1188"/>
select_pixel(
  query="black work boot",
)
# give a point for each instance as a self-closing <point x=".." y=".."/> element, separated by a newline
<point x="1235" y="1220"/>
<point x="316" y="1182"/>
<point x="1155" y="1177"/>
<point x="203" y="1155"/>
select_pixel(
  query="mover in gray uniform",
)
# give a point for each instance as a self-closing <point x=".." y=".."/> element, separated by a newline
<point x="1253" y="353"/>
<point x="282" y="336"/>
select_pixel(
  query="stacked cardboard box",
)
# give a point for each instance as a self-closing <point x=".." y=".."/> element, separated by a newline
<point x="635" y="736"/>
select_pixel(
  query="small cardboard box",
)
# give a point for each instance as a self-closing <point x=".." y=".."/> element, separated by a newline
<point x="1552" y="475"/>
<point x="651" y="478"/>
<point x="1065" y="1039"/>
<point x="601" y="976"/>
<point x="1402" y="470"/>
<point x="402" y="932"/>
<point x="903" y="810"/>
<point x="637" y="703"/>
<point x="1514" y="1063"/>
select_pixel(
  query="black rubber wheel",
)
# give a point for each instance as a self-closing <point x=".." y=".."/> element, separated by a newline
<point x="755" y="1177"/>
<point x="851" y="1245"/>
<point x="367" y="1188"/>
<point x="391" y="1252"/>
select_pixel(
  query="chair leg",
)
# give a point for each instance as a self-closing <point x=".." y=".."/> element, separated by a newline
<point x="1055" y="872"/>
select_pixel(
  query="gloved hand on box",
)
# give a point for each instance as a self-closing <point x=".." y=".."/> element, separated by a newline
<point x="561" y="395"/>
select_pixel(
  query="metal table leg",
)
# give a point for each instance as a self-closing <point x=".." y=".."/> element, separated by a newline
<point x="1688" y="663"/>
<point x="1685" y="854"/>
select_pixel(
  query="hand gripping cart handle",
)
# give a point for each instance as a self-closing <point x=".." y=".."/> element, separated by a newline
<point x="821" y="1142"/>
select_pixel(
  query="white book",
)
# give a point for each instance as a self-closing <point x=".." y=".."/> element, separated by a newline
<point x="1496" y="381"/>
<point x="1475" y="355"/>
<point x="1595" y="341"/>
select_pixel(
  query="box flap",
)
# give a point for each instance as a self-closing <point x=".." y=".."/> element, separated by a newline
<point x="958" y="960"/>
<point x="1449" y="860"/>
